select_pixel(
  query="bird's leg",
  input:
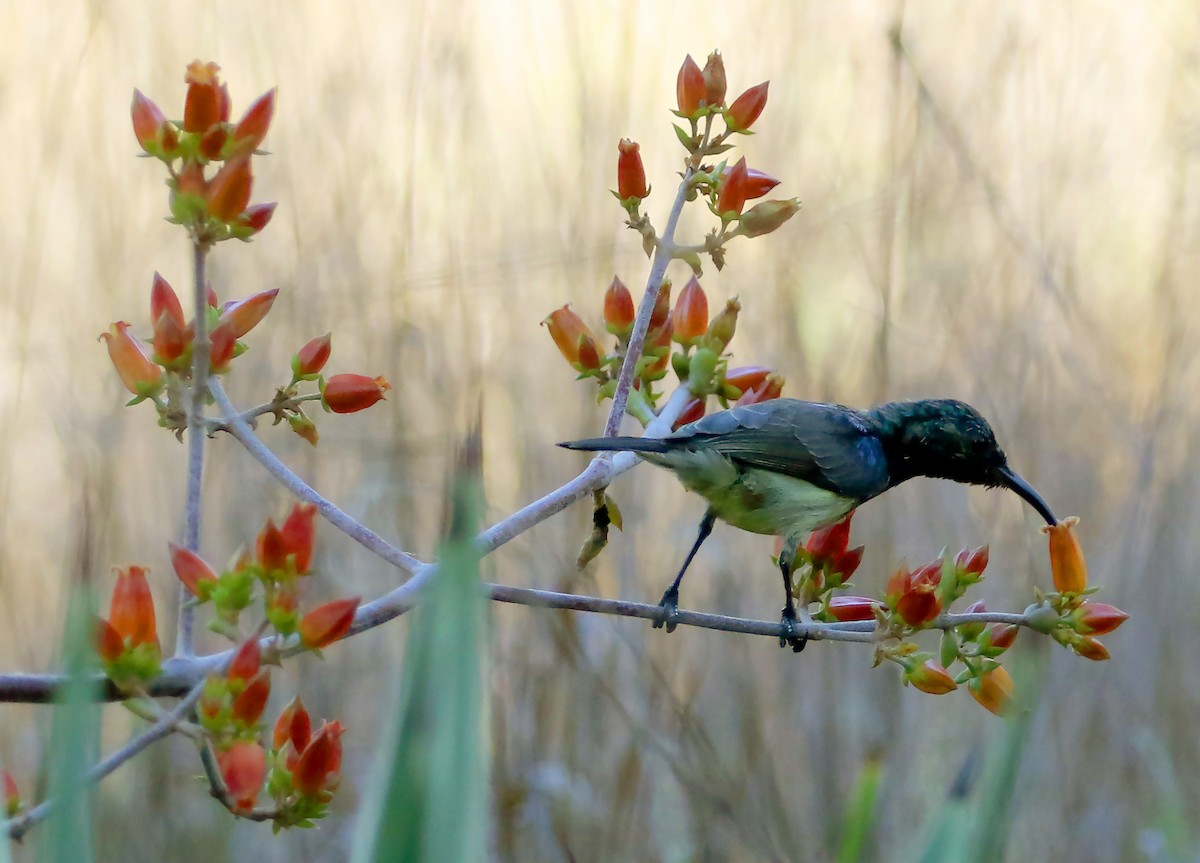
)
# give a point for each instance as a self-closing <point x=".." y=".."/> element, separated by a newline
<point x="790" y="637"/>
<point x="670" y="599"/>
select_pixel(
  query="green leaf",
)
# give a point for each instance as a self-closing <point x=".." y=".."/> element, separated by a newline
<point x="429" y="799"/>
<point x="859" y="815"/>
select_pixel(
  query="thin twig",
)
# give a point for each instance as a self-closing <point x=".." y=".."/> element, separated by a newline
<point x="18" y="826"/>
<point x="248" y="415"/>
<point x="184" y="639"/>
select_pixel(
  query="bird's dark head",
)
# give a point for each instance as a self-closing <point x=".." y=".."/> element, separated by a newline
<point x="948" y="439"/>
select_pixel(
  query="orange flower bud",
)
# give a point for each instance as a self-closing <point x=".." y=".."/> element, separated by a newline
<point x="734" y="189"/>
<point x="138" y="372"/>
<point x="662" y="306"/>
<point x="1097" y="618"/>
<point x="244" y="315"/>
<point x="828" y="542"/>
<point x="243" y="767"/>
<point x="246" y="661"/>
<point x="191" y="569"/>
<point x="293" y="726"/>
<point x="108" y="642"/>
<point x="166" y="314"/>
<point x="1002" y="635"/>
<point x="1066" y="557"/>
<point x="212" y="142"/>
<point x="252" y="128"/>
<point x="311" y="358"/>
<point x="298" y="532"/>
<point x="757" y="183"/>
<point x="618" y="308"/>
<point x="206" y="100"/>
<point x="930" y="677"/>
<point x="318" y="766"/>
<point x="690" y="88"/>
<point x="229" y="191"/>
<point x="222" y="345"/>
<point x="346" y="394"/>
<point x="271" y="548"/>
<point x="913" y="595"/>
<point x="12" y="795"/>
<point x="746" y="108"/>
<point x="691" y="313"/>
<point x="567" y="329"/>
<point x="589" y="354"/>
<point x="724" y="325"/>
<point x="249" y="706"/>
<point x="258" y="216"/>
<point x="147" y="121"/>
<point x="768" y="216"/>
<point x="691" y="412"/>
<point x="327" y="623"/>
<point x="745" y="378"/>
<point x="132" y="610"/>
<point x="993" y="690"/>
<point x="847" y="608"/>
<point x="631" y="174"/>
<point x="771" y="388"/>
<point x="714" y="79"/>
<point x="164" y="301"/>
<point x="1090" y="648"/>
<point x="974" y="561"/>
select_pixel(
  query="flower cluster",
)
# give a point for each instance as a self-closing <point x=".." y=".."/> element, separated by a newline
<point x="305" y="767"/>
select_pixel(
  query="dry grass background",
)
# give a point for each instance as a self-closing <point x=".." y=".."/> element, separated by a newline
<point x="1005" y="211"/>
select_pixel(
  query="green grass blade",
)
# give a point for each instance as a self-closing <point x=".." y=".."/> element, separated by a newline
<point x="861" y="811"/>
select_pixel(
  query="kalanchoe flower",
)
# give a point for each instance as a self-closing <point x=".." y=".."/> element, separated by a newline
<point x="295" y="727"/>
<point x="993" y="690"/>
<point x="270" y="549"/>
<point x="318" y="767"/>
<point x="256" y="217"/>
<point x="714" y="79"/>
<point x="771" y="388"/>
<point x="248" y="707"/>
<point x="746" y="108"/>
<point x="138" y="372"/>
<point x="228" y="193"/>
<point x="742" y="379"/>
<point x="913" y="595"/>
<point x="244" y="315"/>
<point x="1002" y="635"/>
<point x="619" y="312"/>
<point x="568" y="331"/>
<point x="768" y="216"/>
<point x="246" y="661"/>
<point x="346" y="394"/>
<point x="252" y="128"/>
<point x="631" y="174"/>
<point x="757" y="183"/>
<point x="327" y="623"/>
<point x="12" y="795"/>
<point x="310" y="359"/>
<point x="148" y="121"/>
<point x="974" y="561"/>
<point x="1066" y="557"/>
<point x="733" y="192"/>
<point x="193" y="571"/>
<point x="690" y="88"/>
<point x="243" y="767"/>
<point x="691" y="313"/>
<point x="207" y="99"/>
<point x="930" y="677"/>
<point x="132" y="611"/>
<point x="847" y="608"/>
<point x="724" y="325"/>
<point x="1097" y="618"/>
<point x="298" y="533"/>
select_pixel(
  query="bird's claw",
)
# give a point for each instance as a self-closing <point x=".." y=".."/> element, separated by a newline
<point x="790" y="636"/>
<point x="670" y="606"/>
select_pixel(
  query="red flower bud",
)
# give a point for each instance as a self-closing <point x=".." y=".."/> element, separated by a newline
<point x="618" y="308"/>
<point x="746" y="108"/>
<point x="212" y="142"/>
<point x="734" y="190"/>
<point x="298" y="533"/>
<point x="692" y="411"/>
<point x="293" y="726"/>
<point x="311" y="358"/>
<point x="132" y="610"/>
<point x="147" y="120"/>
<point x="243" y="767"/>
<point x="327" y="623"/>
<point x="631" y="175"/>
<point x="222" y="345"/>
<point x="930" y="677"/>
<point x="246" y="661"/>
<point x="771" y="388"/>
<point x="206" y="100"/>
<point x="318" y="766"/>
<point x="830" y="541"/>
<point x="1066" y="557"/>
<point x="1097" y="618"/>
<point x="1090" y="648"/>
<point x="248" y="707"/>
<point x="108" y="642"/>
<point x="973" y="561"/>
<point x="714" y="79"/>
<point x="757" y="183"/>
<point x="258" y="216"/>
<point x="1002" y="635"/>
<point x="662" y="306"/>
<point x="746" y="378"/>
<point x="191" y="568"/>
<point x="589" y="354"/>
<point x="271" y="548"/>
<point x="993" y="690"/>
<point x="138" y="372"/>
<point x="346" y="394"/>
<point x="691" y="313"/>
<point x="913" y="595"/>
<point x="252" y="128"/>
<point x="846" y="608"/>
<point x="191" y="180"/>
<point x="229" y="191"/>
<point x="690" y="88"/>
<point x="244" y="315"/>
<point x="164" y="301"/>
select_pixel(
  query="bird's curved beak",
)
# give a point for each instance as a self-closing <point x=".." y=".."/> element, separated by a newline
<point x="1010" y="479"/>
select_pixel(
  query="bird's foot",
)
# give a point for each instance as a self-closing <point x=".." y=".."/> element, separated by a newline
<point x="670" y="606"/>
<point x="791" y="637"/>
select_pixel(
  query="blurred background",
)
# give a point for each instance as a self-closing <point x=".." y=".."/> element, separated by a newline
<point x="1000" y="205"/>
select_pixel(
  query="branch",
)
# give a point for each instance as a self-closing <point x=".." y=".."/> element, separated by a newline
<point x="18" y="826"/>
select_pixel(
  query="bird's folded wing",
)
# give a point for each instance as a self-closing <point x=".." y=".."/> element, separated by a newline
<point x="826" y="445"/>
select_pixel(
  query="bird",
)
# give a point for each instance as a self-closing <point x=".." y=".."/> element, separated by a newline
<point x="787" y="467"/>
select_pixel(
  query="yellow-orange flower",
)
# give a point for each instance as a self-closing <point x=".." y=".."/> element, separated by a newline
<point x="1066" y="557"/>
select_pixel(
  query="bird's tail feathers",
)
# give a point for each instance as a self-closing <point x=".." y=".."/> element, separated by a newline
<point x="622" y="444"/>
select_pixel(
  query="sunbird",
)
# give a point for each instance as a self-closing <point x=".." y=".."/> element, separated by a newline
<point x="787" y="467"/>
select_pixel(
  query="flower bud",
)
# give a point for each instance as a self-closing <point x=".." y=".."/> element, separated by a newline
<point x="619" y="312"/>
<point x="206" y="100"/>
<point x="246" y="661"/>
<point x="847" y="608"/>
<point x="691" y="313"/>
<point x="589" y="353"/>
<point x="244" y="315"/>
<point x="346" y="394"/>
<point x="631" y="175"/>
<point x="243" y="768"/>
<point x="714" y="79"/>
<point x="222" y="346"/>
<point x="212" y="142"/>
<point x="745" y="108"/>
<point x="691" y="412"/>
<point x="913" y="595"/>
<point x="974" y="561"/>
<point x="229" y="191"/>
<point x="132" y="610"/>
<point x="690" y="88"/>
<point x="662" y="306"/>
<point x="327" y="623"/>
<point x="248" y="707"/>
<point x="171" y="334"/>
<point x="1090" y="648"/>
<point x="1066" y="557"/>
<point x="993" y="690"/>
<point x="318" y="766"/>
<point x="1002" y="635"/>
<point x="252" y="128"/>
<point x="293" y="726"/>
<point x="257" y="217"/>
<point x="771" y="388"/>
<point x="108" y="642"/>
<point x="829" y="541"/>
<point x="138" y="372"/>
<point x="192" y="570"/>
<point x="310" y="359"/>
<point x="1097" y="618"/>
<point x="757" y="183"/>
<point x="930" y="677"/>
<point x="147" y="121"/>
<point x="731" y="197"/>
<point x="298" y="534"/>
<point x="769" y="215"/>
<point x="12" y="795"/>
<point x="567" y="330"/>
<point x="743" y="379"/>
<point x="724" y="325"/>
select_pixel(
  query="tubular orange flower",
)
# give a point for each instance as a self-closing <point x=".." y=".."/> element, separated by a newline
<point x="618" y="308"/>
<point x="132" y="610"/>
<point x="690" y="88"/>
<point x="993" y="690"/>
<point x="747" y="107"/>
<point x="246" y="661"/>
<point x="229" y="191"/>
<point x="847" y="608"/>
<point x="327" y="623"/>
<point x="631" y="174"/>
<point x="252" y="128"/>
<point x="346" y="394"/>
<point x="1066" y="557"/>
<point x="311" y="358"/>
<point x="734" y="189"/>
<point x="207" y="100"/>
<point x="138" y="372"/>
<point x="147" y="121"/>
<point x="567" y="329"/>
<point x="691" y="313"/>
<point x="318" y="766"/>
<point x="724" y="325"/>
<point x="298" y="532"/>
<point x="192" y="570"/>
<point x="1097" y="618"/>
<point x="714" y="79"/>
<point x="930" y="677"/>
<point x="248" y="707"/>
<point x="244" y="315"/>
<point x="243" y="767"/>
